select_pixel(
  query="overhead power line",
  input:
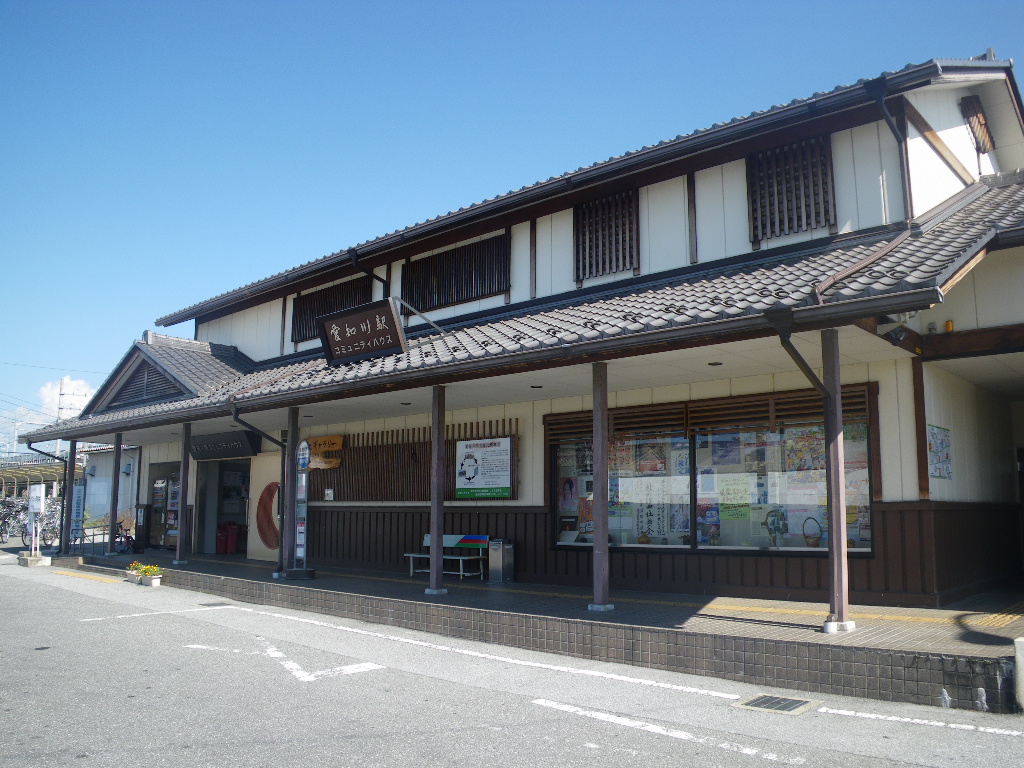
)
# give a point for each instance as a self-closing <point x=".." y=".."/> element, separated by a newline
<point x="51" y="368"/>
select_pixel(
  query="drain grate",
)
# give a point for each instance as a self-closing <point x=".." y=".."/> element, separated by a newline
<point x="214" y="605"/>
<point x="778" y="704"/>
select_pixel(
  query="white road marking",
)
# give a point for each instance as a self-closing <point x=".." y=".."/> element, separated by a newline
<point x="301" y="674"/>
<point x="309" y="677"/>
<point x="161" y="613"/>
<point x="462" y="652"/>
<point x="495" y="657"/>
<point x="670" y="732"/>
<point x="920" y="721"/>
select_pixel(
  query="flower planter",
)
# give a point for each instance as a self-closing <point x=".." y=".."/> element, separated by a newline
<point x="150" y="581"/>
<point x="132" y="576"/>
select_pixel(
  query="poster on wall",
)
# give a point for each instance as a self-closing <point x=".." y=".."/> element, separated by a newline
<point x="940" y="453"/>
<point x="484" y="468"/>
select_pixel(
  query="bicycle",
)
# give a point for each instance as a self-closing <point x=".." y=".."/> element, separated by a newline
<point x="124" y="542"/>
<point x="47" y="535"/>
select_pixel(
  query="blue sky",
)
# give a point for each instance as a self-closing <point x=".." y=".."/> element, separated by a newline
<point x="155" y="154"/>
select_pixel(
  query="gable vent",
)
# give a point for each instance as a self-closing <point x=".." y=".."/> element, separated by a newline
<point x="146" y="383"/>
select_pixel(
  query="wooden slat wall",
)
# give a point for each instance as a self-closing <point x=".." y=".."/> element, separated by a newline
<point x="394" y="465"/>
<point x="924" y="554"/>
<point x="791" y="189"/>
<point x="461" y="274"/>
<point x="606" y="234"/>
<point x="309" y="306"/>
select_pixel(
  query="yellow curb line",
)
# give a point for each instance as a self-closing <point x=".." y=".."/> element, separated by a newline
<point x="89" y="576"/>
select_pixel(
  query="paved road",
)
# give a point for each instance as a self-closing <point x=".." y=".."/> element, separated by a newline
<point x="99" y="672"/>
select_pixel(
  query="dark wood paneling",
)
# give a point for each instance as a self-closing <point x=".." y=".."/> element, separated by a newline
<point x="924" y="553"/>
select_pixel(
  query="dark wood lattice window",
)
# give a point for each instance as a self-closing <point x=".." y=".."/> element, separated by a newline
<point x="607" y="235"/>
<point x="309" y="306"/>
<point x="970" y="108"/>
<point x="791" y="189"/>
<point x="469" y="272"/>
<point x="146" y="383"/>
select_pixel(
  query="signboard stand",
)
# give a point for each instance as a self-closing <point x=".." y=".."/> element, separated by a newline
<point x="299" y="569"/>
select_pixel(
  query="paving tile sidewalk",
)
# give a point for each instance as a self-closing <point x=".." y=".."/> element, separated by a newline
<point x="981" y="626"/>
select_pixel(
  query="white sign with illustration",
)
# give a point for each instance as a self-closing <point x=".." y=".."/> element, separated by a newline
<point x="484" y="468"/>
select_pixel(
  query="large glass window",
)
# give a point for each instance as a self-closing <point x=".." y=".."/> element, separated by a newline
<point x="757" y="488"/>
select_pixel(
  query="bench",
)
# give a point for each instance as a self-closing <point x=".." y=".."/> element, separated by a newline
<point x="474" y="550"/>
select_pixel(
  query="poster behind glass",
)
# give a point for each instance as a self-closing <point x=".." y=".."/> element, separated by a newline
<point x="648" y="491"/>
<point x="755" y="489"/>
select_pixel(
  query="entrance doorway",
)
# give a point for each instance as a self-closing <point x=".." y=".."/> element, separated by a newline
<point x="222" y="504"/>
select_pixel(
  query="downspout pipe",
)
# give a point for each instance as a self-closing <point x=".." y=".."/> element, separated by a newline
<point x="354" y="255"/>
<point x="280" y="488"/>
<point x="878" y="88"/>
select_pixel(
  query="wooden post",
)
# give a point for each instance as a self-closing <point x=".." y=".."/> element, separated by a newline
<point x="600" y="508"/>
<point x="183" y="548"/>
<point x="437" y="469"/>
<point x="69" y="498"/>
<point x="115" y="486"/>
<point x="835" y="479"/>
<point x="287" y="491"/>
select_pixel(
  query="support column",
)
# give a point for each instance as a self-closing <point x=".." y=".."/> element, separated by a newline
<point x="437" y="465"/>
<point x="115" y="487"/>
<point x="183" y="548"/>
<point x="600" y="387"/>
<point x="835" y="474"/>
<point x="69" y="496"/>
<point x="287" y="491"/>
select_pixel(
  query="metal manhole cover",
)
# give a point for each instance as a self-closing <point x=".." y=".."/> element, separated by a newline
<point x="778" y="704"/>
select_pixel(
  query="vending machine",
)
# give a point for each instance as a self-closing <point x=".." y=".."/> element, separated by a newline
<point x="163" y="513"/>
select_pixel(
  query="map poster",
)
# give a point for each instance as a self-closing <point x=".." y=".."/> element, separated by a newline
<point x="484" y="468"/>
<point x="940" y="453"/>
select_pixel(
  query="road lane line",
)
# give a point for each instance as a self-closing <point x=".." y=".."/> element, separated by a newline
<point x="921" y="721"/>
<point x="160" y="613"/>
<point x="670" y="732"/>
<point x="310" y="677"/>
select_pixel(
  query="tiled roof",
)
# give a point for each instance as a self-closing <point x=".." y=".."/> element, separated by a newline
<point x="820" y="98"/>
<point x="200" y="366"/>
<point x="700" y="301"/>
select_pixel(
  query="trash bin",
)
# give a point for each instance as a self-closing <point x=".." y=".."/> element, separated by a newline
<point x="500" y="561"/>
<point x="222" y="539"/>
<point x="232" y="538"/>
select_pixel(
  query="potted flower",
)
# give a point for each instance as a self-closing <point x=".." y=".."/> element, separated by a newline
<point x="131" y="572"/>
<point x="150" y="575"/>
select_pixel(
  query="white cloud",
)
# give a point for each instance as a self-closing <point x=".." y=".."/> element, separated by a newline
<point x="76" y="394"/>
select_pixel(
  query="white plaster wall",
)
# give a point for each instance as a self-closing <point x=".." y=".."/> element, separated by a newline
<point x="866" y="164"/>
<point x="722" y="225"/>
<point x="265" y="468"/>
<point x="97" y="487"/>
<point x="255" y="331"/>
<point x="981" y="435"/>
<point x="520" y="262"/>
<point x="664" y="226"/>
<point x="931" y="181"/>
<point x="989" y="295"/>
<point x="1004" y="123"/>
